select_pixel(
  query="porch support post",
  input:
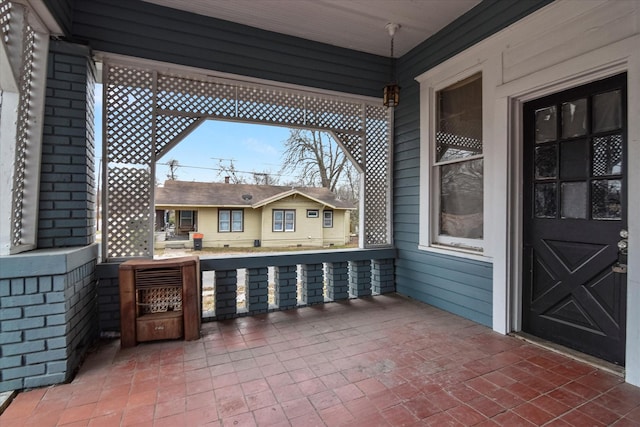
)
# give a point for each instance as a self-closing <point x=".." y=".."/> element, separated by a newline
<point x="338" y="280"/>
<point x="257" y="288"/>
<point x="382" y="280"/>
<point x="312" y="283"/>
<point x="286" y="286"/>
<point x="360" y="278"/>
<point x="226" y="282"/>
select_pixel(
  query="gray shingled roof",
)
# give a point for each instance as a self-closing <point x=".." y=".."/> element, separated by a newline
<point x="184" y="193"/>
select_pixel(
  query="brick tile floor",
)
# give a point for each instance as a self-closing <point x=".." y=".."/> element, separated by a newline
<point x="382" y="361"/>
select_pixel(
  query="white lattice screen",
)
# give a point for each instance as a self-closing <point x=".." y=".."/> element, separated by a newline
<point x="26" y="50"/>
<point x="147" y="112"/>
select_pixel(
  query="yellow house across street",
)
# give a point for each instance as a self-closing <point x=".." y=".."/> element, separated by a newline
<point x="244" y="215"/>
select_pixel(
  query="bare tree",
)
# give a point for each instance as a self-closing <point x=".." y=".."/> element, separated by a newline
<point x="314" y="158"/>
<point x="229" y="170"/>
<point x="349" y="190"/>
<point x="264" y="178"/>
<point x="173" y="167"/>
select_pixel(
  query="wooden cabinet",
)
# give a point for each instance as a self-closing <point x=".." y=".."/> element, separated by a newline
<point x="159" y="299"/>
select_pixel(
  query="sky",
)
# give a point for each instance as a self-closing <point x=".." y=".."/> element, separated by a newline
<point x="251" y="147"/>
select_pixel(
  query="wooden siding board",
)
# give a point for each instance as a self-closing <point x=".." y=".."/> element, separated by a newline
<point x="402" y="227"/>
<point x="145" y="30"/>
<point x="407" y="168"/>
<point x="445" y="304"/>
<point x="476" y="286"/>
<point x="422" y="258"/>
<point x="406" y="195"/>
<point x="466" y="297"/>
<point x="179" y="24"/>
<point x="417" y="271"/>
<point x="460" y="298"/>
<point x="240" y="64"/>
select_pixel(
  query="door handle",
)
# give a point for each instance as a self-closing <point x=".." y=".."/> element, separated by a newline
<point x="623" y="245"/>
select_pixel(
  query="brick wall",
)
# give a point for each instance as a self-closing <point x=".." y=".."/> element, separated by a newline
<point x="48" y="316"/>
<point x="108" y="297"/>
<point x="67" y="184"/>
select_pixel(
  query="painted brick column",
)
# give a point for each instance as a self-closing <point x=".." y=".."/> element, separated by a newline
<point x="67" y="184"/>
<point x="360" y="278"/>
<point x="257" y="288"/>
<point x="286" y="287"/>
<point x="49" y="318"/>
<point x="382" y="280"/>
<point x="338" y="280"/>
<point x="226" y="293"/>
<point x="312" y="283"/>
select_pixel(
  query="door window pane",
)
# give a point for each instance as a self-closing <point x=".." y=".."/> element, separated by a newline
<point x="606" y="198"/>
<point x="574" y="118"/>
<point x="574" y="200"/>
<point x="546" y="124"/>
<point x="459" y="121"/>
<point x="607" y="111"/>
<point x="546" y="162"/>
<point x="545" y="205"/>
<point x="461" y="204"/>
<point x="574" y="157"/>
<point x="607" y="155"/>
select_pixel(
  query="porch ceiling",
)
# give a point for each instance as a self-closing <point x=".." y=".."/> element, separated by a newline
<point x="353" y="24"/>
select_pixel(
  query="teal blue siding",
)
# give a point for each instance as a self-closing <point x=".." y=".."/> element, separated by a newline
<point x="145" y="30"/>
<point x="458" y="285"/>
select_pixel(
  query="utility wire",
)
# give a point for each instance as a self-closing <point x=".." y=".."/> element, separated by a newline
<point x="223" y="170"/>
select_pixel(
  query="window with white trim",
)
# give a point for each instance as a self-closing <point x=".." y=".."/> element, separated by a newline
<point x="284" y="220"/>
<point x="327" y="219"/>
<point x="230" y="220"/>
<point x="457" y="168"/>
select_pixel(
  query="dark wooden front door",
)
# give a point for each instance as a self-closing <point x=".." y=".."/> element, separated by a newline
<point x="574" y="210"/>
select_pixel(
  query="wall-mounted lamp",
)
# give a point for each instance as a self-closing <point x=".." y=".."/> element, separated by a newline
<point x="391" y="96"/>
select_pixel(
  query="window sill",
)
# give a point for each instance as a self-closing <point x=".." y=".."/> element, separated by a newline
<point x="457" y="252"/>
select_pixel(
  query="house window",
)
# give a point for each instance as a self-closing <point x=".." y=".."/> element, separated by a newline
<point x="284" y="220"/>
<point x="457" y="169"/>
<point x="186" y="219"/>
<point x="312" y="213"/>
<point x="327" y="219"/>
<point x="230" y="220"/>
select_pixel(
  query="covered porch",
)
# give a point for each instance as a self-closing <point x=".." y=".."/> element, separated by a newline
<point x="378" y="361"/>
<point x="412" y="329"/>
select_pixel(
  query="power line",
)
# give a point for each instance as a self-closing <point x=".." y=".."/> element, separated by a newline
<point x="223" y="170"/>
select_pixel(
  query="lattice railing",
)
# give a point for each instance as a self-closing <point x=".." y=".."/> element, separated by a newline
<point x="148" y="112"/>
<point x="5" y="19"/>
<point x="26" y="51"/>
<point x="25" y="117"/>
